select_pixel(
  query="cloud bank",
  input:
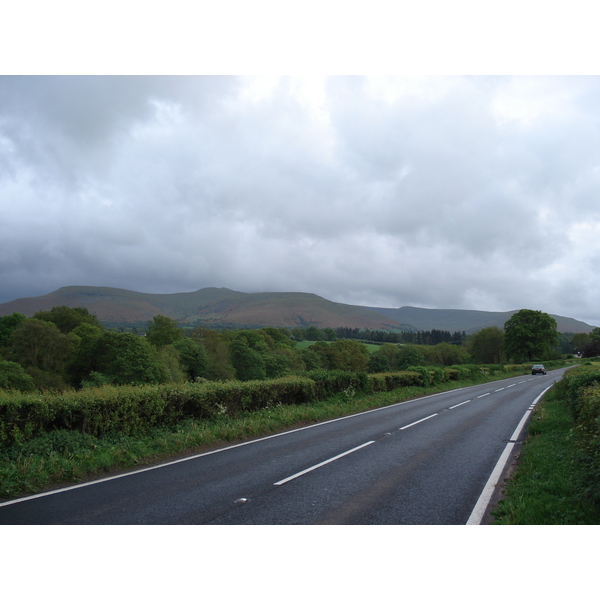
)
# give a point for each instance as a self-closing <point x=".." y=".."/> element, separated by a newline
<point x="444" y="192"/>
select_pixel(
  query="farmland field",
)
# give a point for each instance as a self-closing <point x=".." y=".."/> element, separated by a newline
<point x="305" y="344"/>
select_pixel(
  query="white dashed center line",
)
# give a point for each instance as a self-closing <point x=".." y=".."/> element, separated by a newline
<point x="419" y="421"/>
<point x="322" y="463"/>
<point x="465" y="402"/>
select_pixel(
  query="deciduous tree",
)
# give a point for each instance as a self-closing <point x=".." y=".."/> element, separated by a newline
<point x="126" y="358"/>
<point x="486" y="345"/>
<point x="41" y="345"/>
<point x="162" y="331"/>
<point x="67" y="318"/>
<point x="592" y="346"/>
<point x="445" y="354"/>
<point x="345" y="355"/>
<point x="529" y="335"/>
<point x="193" y="357"/>
<point x="83" y="360"/>
<point x="219" y="367"/>
<point x="409" y="355"/>
<point x="14" y="377"/>
<point x="8" y="324"/>
<point x="248" y="362"/>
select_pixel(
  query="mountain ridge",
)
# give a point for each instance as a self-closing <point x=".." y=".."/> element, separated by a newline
<point x="222" y="307"/>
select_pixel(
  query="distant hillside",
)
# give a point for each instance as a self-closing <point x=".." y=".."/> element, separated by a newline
<point x="425" y="319"/>
<point x="221" y="307"/>
<point x="210" y="307"/>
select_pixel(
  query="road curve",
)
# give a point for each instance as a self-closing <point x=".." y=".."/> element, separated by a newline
<point x="425" y="461"/>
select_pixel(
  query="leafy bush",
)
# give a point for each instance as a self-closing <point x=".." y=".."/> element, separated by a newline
<point x="573" y="382"/>
<point x="329" y="383"/>
<point x="386" y="382"/>
<point x="60" y="441"/>
<point x="14" y="377"/>
<point x="453" y="374"/>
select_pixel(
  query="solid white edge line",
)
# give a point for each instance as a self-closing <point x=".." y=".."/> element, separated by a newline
<point x="282" y="481"/>
<point x="180" y="460"/>
<point x="419" y="421"/>
<point x="480" y="508"/>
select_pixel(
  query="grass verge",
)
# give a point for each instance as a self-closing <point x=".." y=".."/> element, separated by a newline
<point x="548" y="485"/>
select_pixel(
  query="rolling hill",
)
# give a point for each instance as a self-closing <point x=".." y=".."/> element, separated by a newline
<point x="212" y="307"/>
<point x="468" y="320"/>
<point x="221" y="307"/>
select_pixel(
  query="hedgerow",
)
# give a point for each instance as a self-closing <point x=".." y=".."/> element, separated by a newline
<point x="135" y="410"/>
<point x="386" y="382"/>
<point x="580" y="389"/>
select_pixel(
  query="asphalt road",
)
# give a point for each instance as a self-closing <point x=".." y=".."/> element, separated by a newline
<point x="425" y="461"/>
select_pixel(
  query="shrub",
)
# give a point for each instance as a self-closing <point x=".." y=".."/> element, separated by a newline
<point x="14" y="377"/>
<point x="386" y="382"/>
<point x="425" y="375"/>
<point x="452" y="373"/>
<point x="574" y="381"/>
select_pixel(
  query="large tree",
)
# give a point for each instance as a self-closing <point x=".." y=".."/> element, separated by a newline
<point x="84" y="359"/>
<point x="591" y="346"/>
<point x="344" y="355"/>
<point x="445" y="354"/>
<point x="8" y="324"/>
<point x="486" y="345"/>
<point x="409" y="355"/>
<point x="67" y="318"/>
<point x="529" y="335"/>
<point x="162" y="331"/>
<point x="193" y="357"/>
<point x="248" y="362"/>
<point x="14" y="377"/>
<point x="126" y="358"/>
<point x="40" y="345"/>
<point x="218" y="367"/>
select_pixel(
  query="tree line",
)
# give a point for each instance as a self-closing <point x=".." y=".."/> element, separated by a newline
<point x="69" y="348"/>
<point x="425" y="338"/>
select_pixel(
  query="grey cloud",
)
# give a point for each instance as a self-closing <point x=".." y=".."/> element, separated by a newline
<point x="442" y="192"/>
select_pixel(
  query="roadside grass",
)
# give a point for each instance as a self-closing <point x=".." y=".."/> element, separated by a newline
<point x="64" y="457"/>
<point x="547" y="487"/>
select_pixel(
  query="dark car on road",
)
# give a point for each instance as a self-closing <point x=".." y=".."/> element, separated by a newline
<point x="538" y="369"/>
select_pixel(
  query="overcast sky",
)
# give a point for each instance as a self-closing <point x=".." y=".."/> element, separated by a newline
<point x="476" y="192"/>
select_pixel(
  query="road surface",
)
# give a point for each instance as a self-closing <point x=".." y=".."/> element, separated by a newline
<point x="425" y="461"/>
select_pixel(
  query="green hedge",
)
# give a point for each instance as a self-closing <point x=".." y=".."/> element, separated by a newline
<point x="134" y="410"/>
<point x="386" y="382"/>
<point x="580" y="389"/>
<point x="573" y="384"/>
<point x="329" y="383"/>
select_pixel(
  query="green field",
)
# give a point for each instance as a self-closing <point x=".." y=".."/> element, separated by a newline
<point x="370" y="347"/>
